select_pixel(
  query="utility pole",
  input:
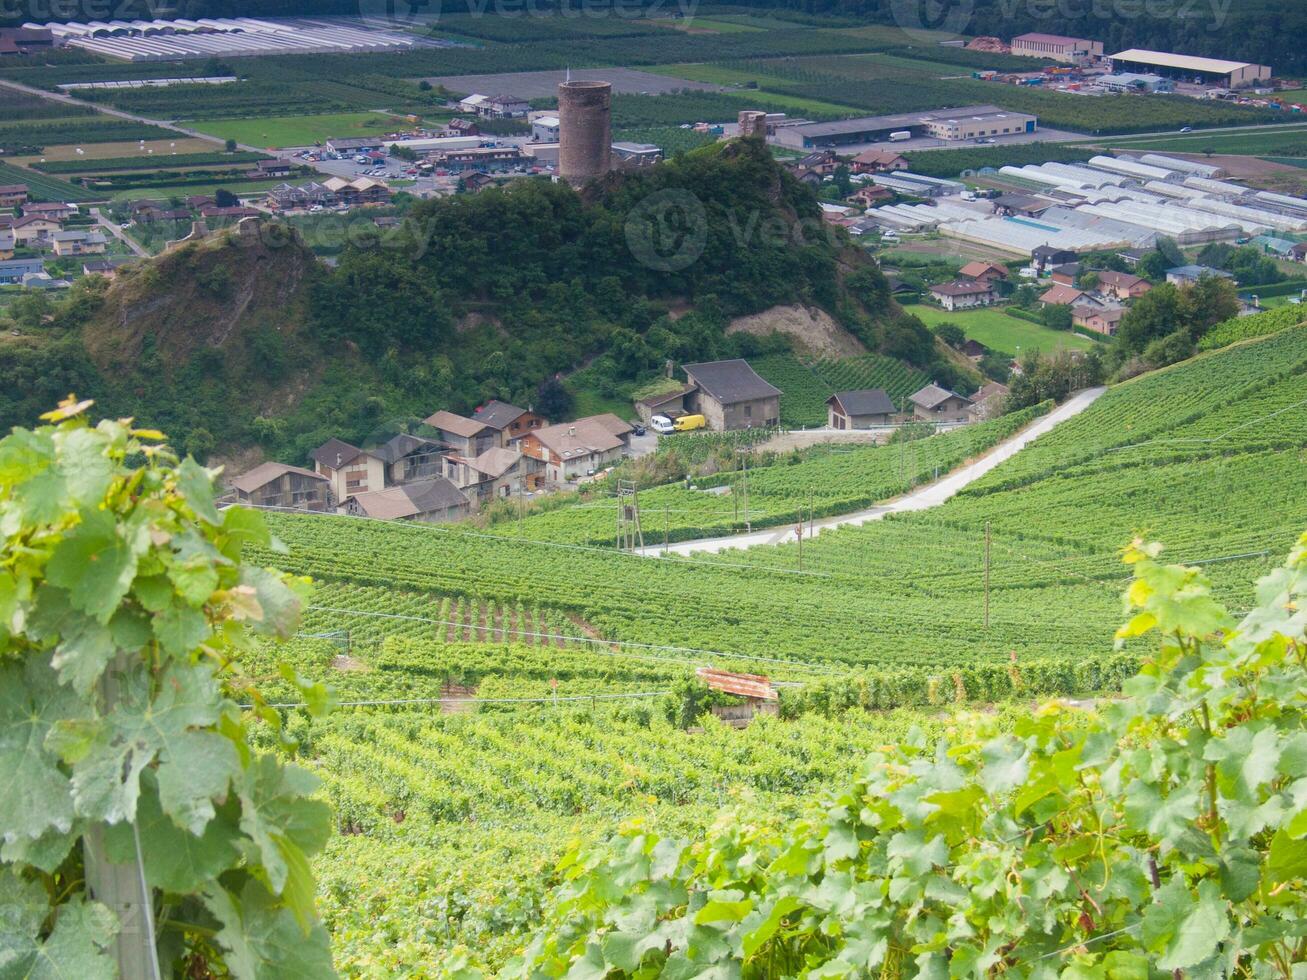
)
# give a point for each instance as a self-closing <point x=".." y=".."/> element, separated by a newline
<point x="987" y="575"/>
<point x="800" y="536"/>
<point x="744" y="483"/>
<point x="629" y="534"/>
<point x="667" y="532"/>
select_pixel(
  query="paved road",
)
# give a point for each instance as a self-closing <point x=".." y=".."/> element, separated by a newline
<point x="112" y="228"/>
<point x="930" y="495"/>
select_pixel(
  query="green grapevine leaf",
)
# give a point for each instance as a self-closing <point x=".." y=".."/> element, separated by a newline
<point x="196" y="485"/>
<point x="34" y="792"/>
<point x="96" y="562"/>
<point x="76" y="947"/>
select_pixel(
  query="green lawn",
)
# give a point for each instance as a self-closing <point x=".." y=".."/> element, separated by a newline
<point x="281" y="131"/>
<point x="998" y="331"/>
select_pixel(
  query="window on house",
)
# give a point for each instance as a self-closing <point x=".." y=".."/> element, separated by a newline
<point x="748" y="411"/>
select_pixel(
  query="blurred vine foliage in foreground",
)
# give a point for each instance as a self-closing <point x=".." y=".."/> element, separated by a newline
<point x="133" y="805"/>
<point x="1165" y="835"/>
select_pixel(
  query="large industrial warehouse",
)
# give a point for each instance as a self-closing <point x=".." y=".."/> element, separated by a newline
<point x="1206" y="71"/>
<point x="1106" y="202"/>
<point x="168" y="40"/>
<point x="967" y="122"/>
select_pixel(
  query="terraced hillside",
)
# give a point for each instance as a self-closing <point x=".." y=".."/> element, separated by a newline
<point x="475" y="799"/>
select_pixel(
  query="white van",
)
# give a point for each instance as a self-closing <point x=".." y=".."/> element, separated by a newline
<point x="662" y="425"/>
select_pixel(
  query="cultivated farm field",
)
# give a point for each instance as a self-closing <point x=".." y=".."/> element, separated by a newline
<point x="475" y="802"/>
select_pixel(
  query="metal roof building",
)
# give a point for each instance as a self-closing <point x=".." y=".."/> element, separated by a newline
<point x="1234" y="74"/>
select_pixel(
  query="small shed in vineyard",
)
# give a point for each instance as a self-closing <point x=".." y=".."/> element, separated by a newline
<point x="760" y="698"/>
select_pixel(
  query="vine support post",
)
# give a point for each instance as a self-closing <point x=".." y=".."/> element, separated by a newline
<point x="122" y="887"/>
<point x="987" y="575"/>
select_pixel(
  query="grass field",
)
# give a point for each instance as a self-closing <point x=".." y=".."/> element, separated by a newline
<point x="106" y="151"/>
<point x="996" y="330"/>
<point x="279" y="131"/>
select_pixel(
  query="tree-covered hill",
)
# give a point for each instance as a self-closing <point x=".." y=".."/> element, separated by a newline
<point x="243" y="343"/>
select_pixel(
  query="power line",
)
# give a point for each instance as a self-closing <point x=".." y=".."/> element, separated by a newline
<point x="398" y="701"/>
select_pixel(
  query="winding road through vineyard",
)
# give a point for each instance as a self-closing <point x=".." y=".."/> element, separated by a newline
<point x="931" y="495"/>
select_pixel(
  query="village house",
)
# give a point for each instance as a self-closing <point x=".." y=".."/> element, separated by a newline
<point x="1044" y="256"/>
<point x="279" y="485"/>
<point x="14" y="271"/>
<point x="987" y="403"/>
<point x="289" y="197"/>
<point x="265" y="169"/>
<point x="54" y="210"/>
<point x="104" y="267"/>
<point x="503" y="107"/>
<point x="973" y="350"/>
<point x="494" y="474"/>
<point x="878" y="162"/>
<point x="78" y="243"/>
<point x="431" y="501"/>
<point x="156" y="215"/>
<point x="1064" y="295"/>
<point x="570" y="450"/>
<point x="859" y="409"/>
<point x="357" y="192"/>
<point x="869" y="195"/>
<point x="1067" y="274"/>
<point x="31" y="231"/>
<point x="198" y="201"/>
<point x="12" y="195"/>
<point x="935" y="404"/>
<point x="508" y="420"/>
<point x="6" y="245"/>
<point x="1122" y="285"/>
<point x="821" y="162"/>
<point x="1100" y="319"/>
<point x="410" y="458"/>
<point x="986" y="272"/>
<point x="349" y="469"/>
<point x="476" y="181"/>
<point x="731" y="395"/>
<point x="464" y="127"/>
<point x="466" y="437"/>
<point x="1183" y="275"/>
<point x="963" y="294"/>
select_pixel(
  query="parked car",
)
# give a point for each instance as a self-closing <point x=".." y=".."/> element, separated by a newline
<point x="663" y="425"/>
<point x="688" y="423"/>
<point x="637" y="429"/>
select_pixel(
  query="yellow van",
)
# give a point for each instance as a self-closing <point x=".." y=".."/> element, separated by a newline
<point x="688" y="423"/>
